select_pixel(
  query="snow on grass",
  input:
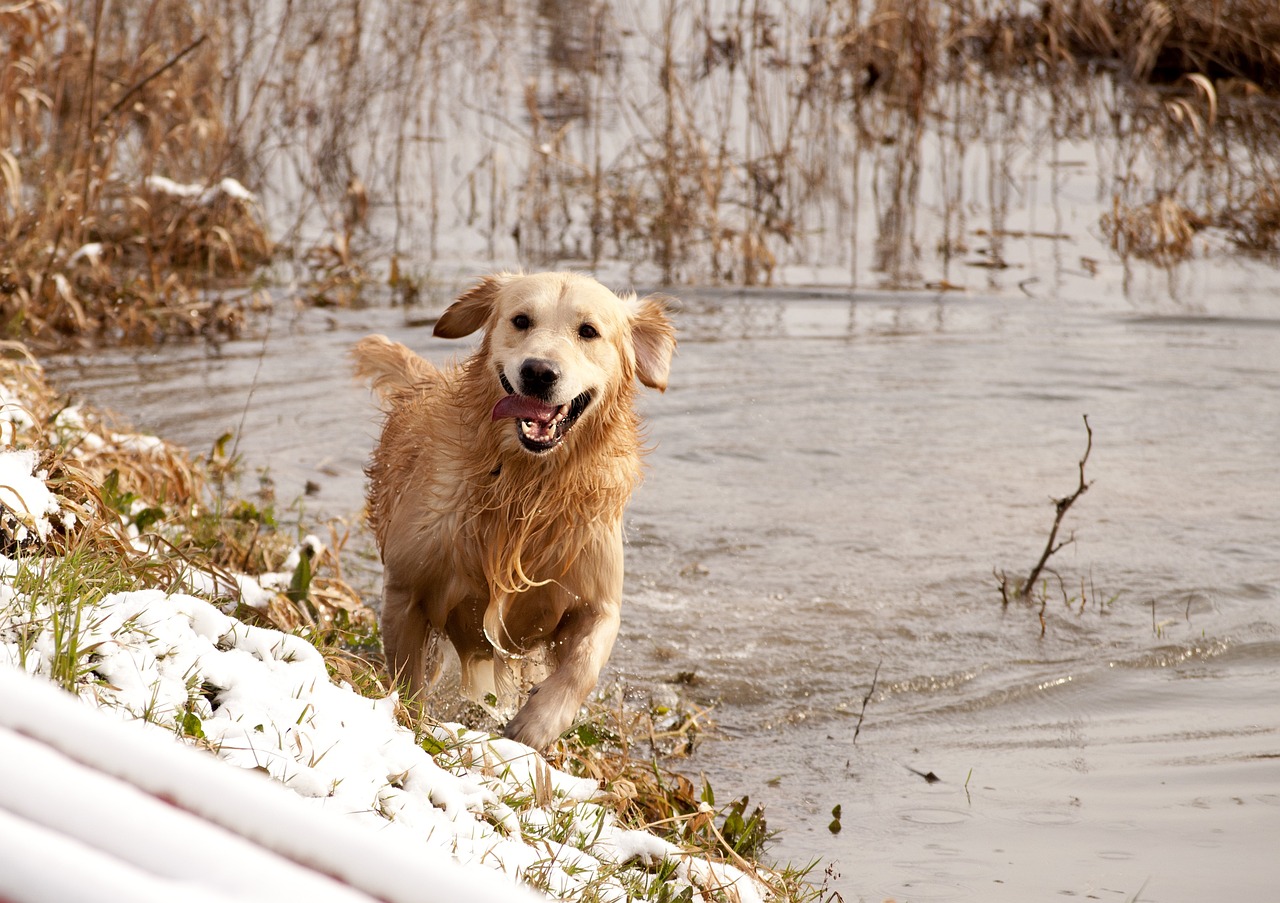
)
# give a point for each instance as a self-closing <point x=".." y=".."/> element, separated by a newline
<point x="225" y="188"/>
<point x="262" y="700"/>
<point x="14" y="416"/>
<point x="181" y="671"/>
<point x="26" y="504"/>
<point x="105" y="811"/>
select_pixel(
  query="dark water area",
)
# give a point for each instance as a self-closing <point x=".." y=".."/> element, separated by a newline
<point x="834" y="478"/>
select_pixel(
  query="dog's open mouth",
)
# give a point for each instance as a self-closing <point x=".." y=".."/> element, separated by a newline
<point x="539" y="426"/>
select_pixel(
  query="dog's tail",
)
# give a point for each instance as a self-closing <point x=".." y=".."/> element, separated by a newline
<point x="391" y="368"/>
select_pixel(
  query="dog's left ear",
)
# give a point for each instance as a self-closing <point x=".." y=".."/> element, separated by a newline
<point x="471" y="311"/>
<point x="654" y="340"/>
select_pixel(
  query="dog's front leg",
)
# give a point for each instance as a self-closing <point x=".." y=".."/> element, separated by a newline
<point x="405" y="641"/>
<point x="582" y="645"/>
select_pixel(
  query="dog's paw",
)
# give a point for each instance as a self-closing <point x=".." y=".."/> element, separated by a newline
<point x="532" y="731"/>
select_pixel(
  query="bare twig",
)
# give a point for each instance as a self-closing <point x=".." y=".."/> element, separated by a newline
<point x="138" y="86"/>
<point x="866" y="699"/>
<point x="1052" y="546"/>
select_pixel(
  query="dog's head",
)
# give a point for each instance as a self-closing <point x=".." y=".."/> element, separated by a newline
<point x="559" y="347"/>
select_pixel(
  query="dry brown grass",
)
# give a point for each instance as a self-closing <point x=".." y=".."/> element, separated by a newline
<point x="97" y="100"/>
<point x="833" y="104"/>
<point x="729" y="143"/>
<point x="1166" y="40"/>
<point x="1160" y="231"/>
<point x="146" y="507"/>
<point x="81" y="449"/>
<point x="636" y="754"/>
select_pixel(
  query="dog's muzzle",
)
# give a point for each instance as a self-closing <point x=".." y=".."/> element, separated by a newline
<point x="540" y="426"/>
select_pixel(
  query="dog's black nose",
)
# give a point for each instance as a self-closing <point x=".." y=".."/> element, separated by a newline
<point x="538" y="376"/>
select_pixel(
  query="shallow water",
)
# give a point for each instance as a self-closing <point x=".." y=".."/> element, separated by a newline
<point x="833" y="480"/>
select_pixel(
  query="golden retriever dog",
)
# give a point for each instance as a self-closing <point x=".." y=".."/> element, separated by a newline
<point x="497" y="489"/>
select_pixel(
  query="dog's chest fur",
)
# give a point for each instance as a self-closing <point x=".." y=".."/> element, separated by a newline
<point x="500" y="522"/>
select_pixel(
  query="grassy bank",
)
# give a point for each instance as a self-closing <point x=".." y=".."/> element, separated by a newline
<point x="107" y="515"/>
<point x="158" y="163"/>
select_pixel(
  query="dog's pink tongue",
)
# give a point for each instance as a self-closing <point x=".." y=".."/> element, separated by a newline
<point x="522" y="407"/>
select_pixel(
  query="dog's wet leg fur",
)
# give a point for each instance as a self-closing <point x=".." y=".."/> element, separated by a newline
<point x="405" y="634"/>
<point x="583" y="643"/>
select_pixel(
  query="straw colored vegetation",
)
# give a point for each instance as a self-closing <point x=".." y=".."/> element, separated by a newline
<point x="150" y="515"/>
<point x="113" y="144"/>
<point x="153" y="157"/>
<point x="1167" y="40"/>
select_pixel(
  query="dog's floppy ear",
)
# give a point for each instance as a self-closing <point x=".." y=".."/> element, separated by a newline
<point x="471" y="311"/>
<point x="654" y="340"/>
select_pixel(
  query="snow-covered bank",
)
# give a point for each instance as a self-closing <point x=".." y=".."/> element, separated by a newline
<point x="374" y="805"/>
<point x="134" y="816"/>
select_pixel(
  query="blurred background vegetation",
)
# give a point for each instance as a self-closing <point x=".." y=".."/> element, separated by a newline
<point x="165" y="165"/>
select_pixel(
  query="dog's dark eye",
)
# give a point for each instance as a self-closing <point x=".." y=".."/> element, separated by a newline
<point x="587" y="331"/>
<point x="520" y="322"/>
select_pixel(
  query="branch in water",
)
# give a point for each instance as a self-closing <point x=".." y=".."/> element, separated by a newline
<point x="1062" y="506"/>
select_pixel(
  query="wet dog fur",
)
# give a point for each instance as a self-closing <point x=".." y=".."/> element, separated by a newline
<point x="497" y="489"/>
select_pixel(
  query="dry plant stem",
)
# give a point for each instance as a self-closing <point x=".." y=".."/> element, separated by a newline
<point x="138" y="86"/>
<point x="866" y="699"/>
<point x="666" y="253"/>
<point x="1051" y="546"/>
<point x="87" y="105"/>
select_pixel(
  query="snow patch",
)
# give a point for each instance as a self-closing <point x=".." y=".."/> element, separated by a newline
<point x="229" y="188"/>
<point x="26" y="504"/>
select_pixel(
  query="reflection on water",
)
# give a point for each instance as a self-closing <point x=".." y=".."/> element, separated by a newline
<point x="833" y="480"/>
<point x="869" y="144"/>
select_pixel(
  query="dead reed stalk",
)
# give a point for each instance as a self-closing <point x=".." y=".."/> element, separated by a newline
<point x="1022" y="589"/>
